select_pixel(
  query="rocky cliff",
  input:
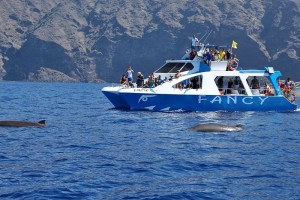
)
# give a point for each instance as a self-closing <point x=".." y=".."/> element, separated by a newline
<point x="95" y="40"/>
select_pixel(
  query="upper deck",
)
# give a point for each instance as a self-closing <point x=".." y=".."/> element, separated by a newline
<point x="187" y="65"/>
<point x="210" y="72"/>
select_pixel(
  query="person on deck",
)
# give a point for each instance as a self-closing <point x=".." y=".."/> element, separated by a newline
<point x="207" y="57"/>
<point x="236" y="84"/>
<point x="222" y="54"/>
<point x="195" y="42"/>
<point x="228" y="54"/>
<point x="151" y="81"/>
<point x="159" y="80"/>
<point x="193" y="54"/>
<point x="129" y="76"/>
<point x="195" y="83"/>
<point x="140" y="80"/>
<point x="229" y="86"/>
<point x="220" y="84"/>
<point x="177" y="75"/>
<point x="123" y="80"/>
<point x="254" y="83"/>
<point x="289" y="85"/>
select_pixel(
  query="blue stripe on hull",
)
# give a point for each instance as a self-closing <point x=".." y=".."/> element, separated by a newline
<point x="167" y="102"/>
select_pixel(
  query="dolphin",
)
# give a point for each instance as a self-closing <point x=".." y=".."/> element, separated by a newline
<point x="215" y="128"/>
<point x="22" y="123"/>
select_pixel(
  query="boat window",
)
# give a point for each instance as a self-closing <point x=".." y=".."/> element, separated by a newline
<point x="191" y="83"/>
<point x="230" y="85"/>
<point x="170" y="68"/>
<point x="187" y="67"/>
<point x="260" y="85"/>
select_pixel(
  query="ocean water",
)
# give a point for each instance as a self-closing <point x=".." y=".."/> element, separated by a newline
<point x="89" y="150"/>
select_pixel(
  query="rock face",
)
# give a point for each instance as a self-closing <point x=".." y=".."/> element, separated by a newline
<point x="49" y="75"/>
<point x="95" y="40"/>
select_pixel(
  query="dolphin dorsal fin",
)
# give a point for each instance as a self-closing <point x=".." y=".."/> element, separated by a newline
<point x="42" y="122"/>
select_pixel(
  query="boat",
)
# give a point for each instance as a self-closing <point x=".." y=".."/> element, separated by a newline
<point x="205" y="86"/>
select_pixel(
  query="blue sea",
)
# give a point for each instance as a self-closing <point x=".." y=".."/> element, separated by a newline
<point x="89" y="150"/>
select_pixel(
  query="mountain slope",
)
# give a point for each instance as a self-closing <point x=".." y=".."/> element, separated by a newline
<point x="91" y="41"/>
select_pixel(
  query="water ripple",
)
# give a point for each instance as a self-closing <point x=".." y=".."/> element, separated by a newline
<point x="89" y="150"/>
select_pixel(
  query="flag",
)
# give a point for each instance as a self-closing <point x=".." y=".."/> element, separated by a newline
<point x="234" y="44"/>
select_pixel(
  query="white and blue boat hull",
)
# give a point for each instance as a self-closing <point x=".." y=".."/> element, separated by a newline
<point x="112" y="93"/>
<point x="173" y="102"/>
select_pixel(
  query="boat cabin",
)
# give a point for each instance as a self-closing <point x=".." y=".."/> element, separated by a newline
<point x="215" y="77"/>
<point x="227" y="83"/>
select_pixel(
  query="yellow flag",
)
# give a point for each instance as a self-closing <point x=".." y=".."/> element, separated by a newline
<point x="234" y="44"/>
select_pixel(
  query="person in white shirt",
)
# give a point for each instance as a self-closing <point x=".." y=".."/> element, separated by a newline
<point x="195" y="42"/>
<point x="129" y="76"/>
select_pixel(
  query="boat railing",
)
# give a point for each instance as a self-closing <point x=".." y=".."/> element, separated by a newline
<point x="218" y="65"/>
<point x="263" y="91"/>
<point x="232" y="91"/>
<point x="123" y="85"/>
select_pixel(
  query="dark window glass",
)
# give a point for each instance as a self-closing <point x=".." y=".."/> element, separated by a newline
<point x="170" y="68"/>
<point x="191" y="83"/>
<point x="187" y="67"/>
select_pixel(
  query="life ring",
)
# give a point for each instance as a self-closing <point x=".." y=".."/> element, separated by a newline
<point x="233" y="65"/>
<point x="292" y="98"/>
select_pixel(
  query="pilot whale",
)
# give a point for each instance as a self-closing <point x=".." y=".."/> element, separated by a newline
<point x="22" y="123"/>
<point x="215" y="128"/>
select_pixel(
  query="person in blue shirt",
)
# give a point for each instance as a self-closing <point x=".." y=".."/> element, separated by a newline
<point x="207" y="57"/>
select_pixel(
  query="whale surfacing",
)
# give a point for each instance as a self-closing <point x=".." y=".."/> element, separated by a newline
<point x="22" y="123"/>
<point x="216" y="128"/>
